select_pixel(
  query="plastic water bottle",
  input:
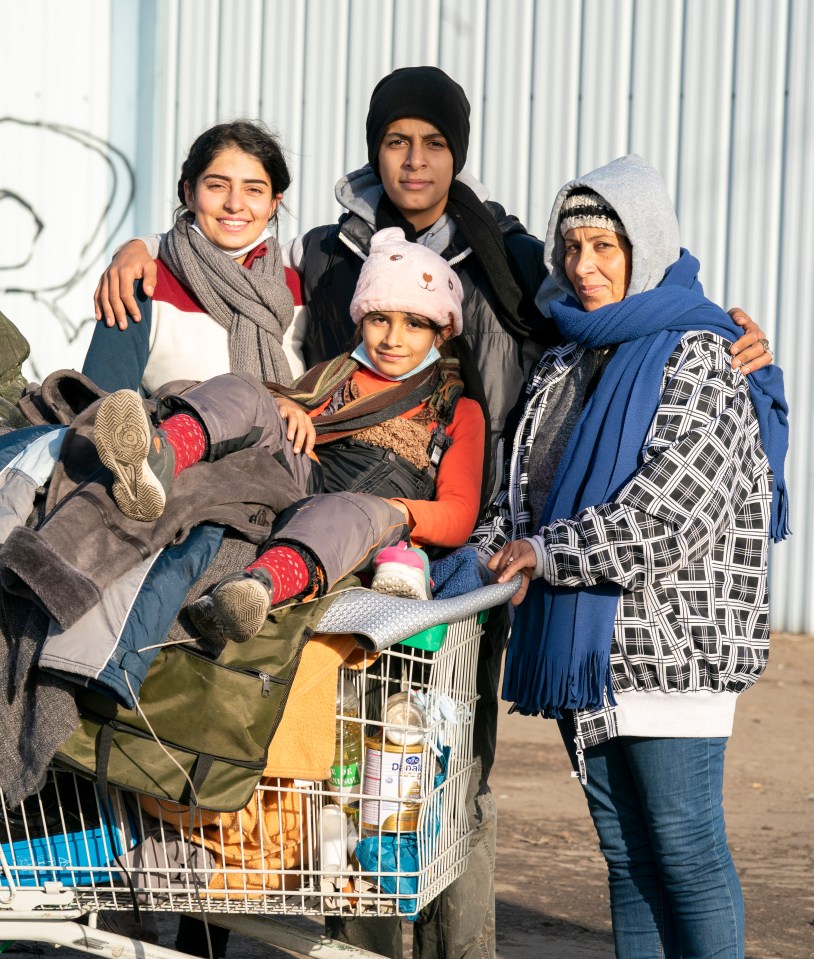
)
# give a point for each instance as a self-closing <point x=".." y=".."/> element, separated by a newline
<point x="333" y="843"/>
<point x="346" y="768"/>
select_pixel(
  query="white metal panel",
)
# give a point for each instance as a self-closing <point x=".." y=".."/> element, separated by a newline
<point x="756" y="173"/>
<point x="717" y="95"/>
<point x="655" y="87"/>
<point x="157" y="160"/>
<point x="607" y="31"/>
<point x="199" y="28"/>
<point x="371" y="57"/>
<point x="239" y="58"/>
<point x="123" y="104"/>
<point x="416" y="31"/>
<point x="554" y="116"/>
<point x="701" y="195"/>
<point x="62" y="183"/>
<point x="793" y="563"/>
<point x="463" y="56"/>
<point x="507" y="104"/>
<point x="322" y="145"/>
<point x="281" y="96"/>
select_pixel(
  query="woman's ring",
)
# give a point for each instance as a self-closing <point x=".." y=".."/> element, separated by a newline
<point x="765" y="344"/>
<point x="510" y="559"/>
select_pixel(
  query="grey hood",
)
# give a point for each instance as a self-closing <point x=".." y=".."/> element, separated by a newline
<point x="359" y="192"/>
<point x="637" y="192"/>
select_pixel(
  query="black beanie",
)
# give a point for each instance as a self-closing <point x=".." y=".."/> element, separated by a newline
<point x="423" y="92"/>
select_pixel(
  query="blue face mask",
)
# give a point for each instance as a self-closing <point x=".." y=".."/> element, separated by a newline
<point x="360" y="355"/>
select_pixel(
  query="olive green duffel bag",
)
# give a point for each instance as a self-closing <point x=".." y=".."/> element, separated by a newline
<point x="203" y="727"/>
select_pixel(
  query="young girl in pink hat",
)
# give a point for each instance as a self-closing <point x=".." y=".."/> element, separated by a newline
<point x="380" y="442"/>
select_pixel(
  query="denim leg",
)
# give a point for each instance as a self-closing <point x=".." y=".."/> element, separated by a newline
<point x="685" y="819"/>
<point x="673" y="887"/>
<point x="638" y="902"/>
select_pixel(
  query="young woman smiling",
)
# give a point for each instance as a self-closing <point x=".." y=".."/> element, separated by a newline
<point x="232" y="201"/>
<point x="223" y="300"/>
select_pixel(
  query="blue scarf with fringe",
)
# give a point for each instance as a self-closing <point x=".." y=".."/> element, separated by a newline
<point x="559" y="654"/>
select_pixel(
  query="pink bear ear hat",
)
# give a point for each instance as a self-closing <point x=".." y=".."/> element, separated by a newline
<point x="408" y="277"/>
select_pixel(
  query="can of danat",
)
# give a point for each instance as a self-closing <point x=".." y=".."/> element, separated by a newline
<point x="391" y="787"/>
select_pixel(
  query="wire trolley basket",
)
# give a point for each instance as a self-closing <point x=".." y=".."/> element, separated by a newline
<point x="383" y="837"/>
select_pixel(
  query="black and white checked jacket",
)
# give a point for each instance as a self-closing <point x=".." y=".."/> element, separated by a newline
<point x="686" y="538"/>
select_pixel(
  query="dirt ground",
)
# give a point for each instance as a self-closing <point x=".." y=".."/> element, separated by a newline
<point x="551" y="885"/>
<point x="552" y="900"/>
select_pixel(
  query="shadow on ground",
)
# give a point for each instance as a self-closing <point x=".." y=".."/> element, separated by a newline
<point x="524" y="932"/>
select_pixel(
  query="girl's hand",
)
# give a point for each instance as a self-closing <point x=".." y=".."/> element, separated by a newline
<point x="751" y="352"/>
<point x="409" y="522"/>
<point x="301" y="433"/>
<point x="517" y="557"/>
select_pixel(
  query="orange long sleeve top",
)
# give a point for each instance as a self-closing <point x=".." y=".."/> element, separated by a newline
<point x="448" y="519"/>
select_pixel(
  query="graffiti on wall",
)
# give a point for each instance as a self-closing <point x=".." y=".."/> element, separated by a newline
<point x="63" y="193"/>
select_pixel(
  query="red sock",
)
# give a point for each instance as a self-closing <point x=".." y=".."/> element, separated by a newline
<point x="186" y="436"/>
<point x="287" y="569"/>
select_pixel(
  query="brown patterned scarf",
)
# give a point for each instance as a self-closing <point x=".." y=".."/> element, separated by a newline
<point x="438" y="385"/>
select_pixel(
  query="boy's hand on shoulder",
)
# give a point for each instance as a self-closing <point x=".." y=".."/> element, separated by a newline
<point x="751" y="352"/>
<point x="113" y="299"/>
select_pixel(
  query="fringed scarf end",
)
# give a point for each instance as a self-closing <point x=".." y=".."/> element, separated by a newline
<point x="779" y="526"/>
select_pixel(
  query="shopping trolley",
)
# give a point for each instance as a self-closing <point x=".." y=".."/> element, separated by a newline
<point x="385" y="847"/>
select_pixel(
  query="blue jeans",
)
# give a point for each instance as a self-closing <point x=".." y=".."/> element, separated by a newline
<point x="657" y="805"/>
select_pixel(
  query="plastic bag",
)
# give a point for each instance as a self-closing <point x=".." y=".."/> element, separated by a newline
<point x="393" y="856"/>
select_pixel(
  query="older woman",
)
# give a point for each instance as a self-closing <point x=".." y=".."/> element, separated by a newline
<point x="645" y="480"/>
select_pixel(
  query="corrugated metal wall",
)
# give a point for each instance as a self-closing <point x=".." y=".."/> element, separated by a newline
<point x="718" y="95"/>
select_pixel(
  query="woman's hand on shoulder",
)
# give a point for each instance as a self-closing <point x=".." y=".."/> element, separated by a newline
<point x="300" y="433"/>
<point x="113" y="299"/>
<point x="517" y="557"/>
<point x="751" y="352"/>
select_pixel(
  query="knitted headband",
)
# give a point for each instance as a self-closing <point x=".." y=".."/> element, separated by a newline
<point x="408" y="277"/>
<point x="423" y="92"/>
<point x="583" y="207"/>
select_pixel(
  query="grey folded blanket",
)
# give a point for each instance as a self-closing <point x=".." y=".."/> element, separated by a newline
<point x="37" y="710"/>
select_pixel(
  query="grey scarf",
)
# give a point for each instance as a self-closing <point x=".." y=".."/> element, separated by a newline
<point x="254" y="305"/>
